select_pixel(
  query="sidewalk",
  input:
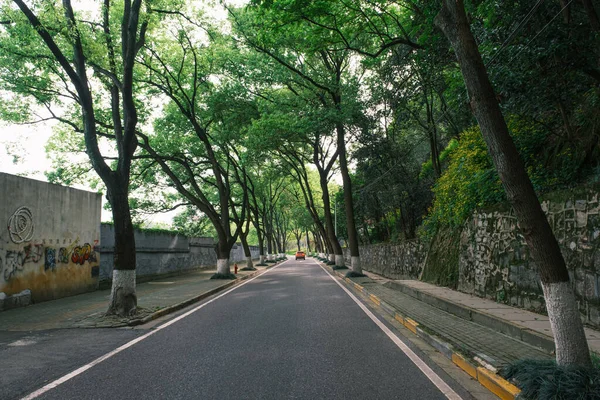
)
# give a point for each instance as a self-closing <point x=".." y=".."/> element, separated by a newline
<point x="155" y="299"/>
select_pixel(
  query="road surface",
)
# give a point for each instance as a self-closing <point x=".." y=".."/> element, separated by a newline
<point x="290" y="333"/>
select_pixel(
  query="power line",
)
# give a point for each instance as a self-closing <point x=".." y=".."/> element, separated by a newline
<point x="512" y="35"/>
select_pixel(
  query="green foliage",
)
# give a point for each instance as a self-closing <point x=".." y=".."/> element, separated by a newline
<point x="543" y="379"/>
<point x="192" y="223"/>
<point x="352" y="274"/>
<point x="471" y="181"/>
<point x="229" y="276"/>
<point x="427" y="168"/>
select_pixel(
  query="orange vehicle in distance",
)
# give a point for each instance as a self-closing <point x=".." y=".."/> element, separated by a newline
<point x="300" y="255"/>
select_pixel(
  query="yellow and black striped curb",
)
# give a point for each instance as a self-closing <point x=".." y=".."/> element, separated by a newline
<point x="487" y="377"/>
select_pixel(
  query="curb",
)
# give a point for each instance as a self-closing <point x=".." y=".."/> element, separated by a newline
<point x="467" y="313"/>
<point x="176" y="307"/>
<point x="487" y="376"/>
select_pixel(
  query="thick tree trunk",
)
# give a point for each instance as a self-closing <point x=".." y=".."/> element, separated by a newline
<point x="329" y="227"/>
<point x="222" y="249"/>
<point x="348" y="202"/>
<point x="123" y="298"/>
<point x="261" y="248"/>
<point x="571" y="344"/>
<point x="247" y="252"/>
<point x="308" y="242"/>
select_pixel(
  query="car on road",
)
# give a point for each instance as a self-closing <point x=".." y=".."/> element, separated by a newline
<point x="300" y="255"/>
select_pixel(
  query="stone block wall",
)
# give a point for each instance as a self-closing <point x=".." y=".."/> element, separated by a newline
<point x="48" y="238"/>
<point x="403" y="260"/>
<point x="495" y="263"/>
<point x="493" y="260"/>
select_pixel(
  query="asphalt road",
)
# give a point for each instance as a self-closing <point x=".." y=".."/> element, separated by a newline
<point x="291" y="333"/>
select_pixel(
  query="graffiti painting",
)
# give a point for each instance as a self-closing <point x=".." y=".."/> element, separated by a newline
<point x="63" y="255"/>
<point x="50" y="259"/>
<point x="33" y="253"/>
<point x="13" y="263"/>
<point x="20" y="225"/>
<point x="84" y="253"/>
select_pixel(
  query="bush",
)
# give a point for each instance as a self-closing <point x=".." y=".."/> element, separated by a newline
<point x="471" y="180"/>
<point x="543" y="379"/>
<point x="223" y="276"/>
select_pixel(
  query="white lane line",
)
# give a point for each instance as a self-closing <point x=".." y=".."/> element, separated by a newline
<point x="428" y="372"/>
<point x="98" y="360"/>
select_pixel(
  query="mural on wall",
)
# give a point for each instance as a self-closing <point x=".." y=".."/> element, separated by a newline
<point x="82" y="254"/>
<point x="20" y="225"/>
<point x="13" y="262"/>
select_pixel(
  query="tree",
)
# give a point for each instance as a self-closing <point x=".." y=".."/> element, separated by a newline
<point x="55" y="69"/>
<point x="323" y="67"/>
<point x="571" y="344"/>
<point x="192" y="141"/>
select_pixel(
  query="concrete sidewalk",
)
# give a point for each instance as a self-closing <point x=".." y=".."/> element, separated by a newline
<point x="155" y="299"/>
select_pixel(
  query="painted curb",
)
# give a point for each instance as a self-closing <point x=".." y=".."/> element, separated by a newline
<point x="176" y="307"/>
<point x="488" y="379"/>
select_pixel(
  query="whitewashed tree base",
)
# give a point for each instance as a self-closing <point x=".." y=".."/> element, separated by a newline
<point x="123" y="298"/>
<point x="356" y="267"/>
<point x="249" y="263"/>
<point x="569" y="336"/>
<point x="339" y="260"/>
<point x="261" y="259"/>
<point x="223" y="266"/>
<point x="332" y="258"/>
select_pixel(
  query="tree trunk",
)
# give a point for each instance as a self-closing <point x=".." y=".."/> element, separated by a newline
<point x="123" y="298"/>
<point x="261" y="247"/>
<point x="348" y="202"/>
<point x="247" y="252"/>
<point x="308" y="242"/>
<point x="223" y="249"/>
<point x="592" y="15"/>
<point x="329" y="227"/>
<point x="571" y="344"/>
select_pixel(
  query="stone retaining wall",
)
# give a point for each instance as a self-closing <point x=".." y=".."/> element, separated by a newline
<point x="495" y="263"/>
<point x="493" y="260"/>
<point x="396" y="261"/>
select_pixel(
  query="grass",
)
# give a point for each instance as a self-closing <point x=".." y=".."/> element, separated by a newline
<point x="352" y="274"/>
<point x="330" y="262"/>
<point x="248" y="269"/>
<point x="223" y="276"/>
<point x="543" y="379"/>
<point x="262" y="265"/>
<point x="336" y="267"/>
<point x="270" y="261"/>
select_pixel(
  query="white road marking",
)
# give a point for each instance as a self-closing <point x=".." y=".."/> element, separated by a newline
<point x="428" y="372"/>
<point x="98" y="360"/>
